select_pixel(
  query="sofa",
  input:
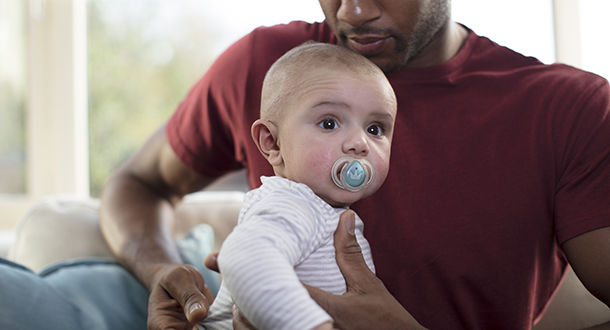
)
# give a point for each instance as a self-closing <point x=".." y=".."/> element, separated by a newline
<point x="60" y="228"/>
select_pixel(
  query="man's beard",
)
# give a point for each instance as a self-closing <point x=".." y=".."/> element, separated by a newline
<point x="431" y="20"/>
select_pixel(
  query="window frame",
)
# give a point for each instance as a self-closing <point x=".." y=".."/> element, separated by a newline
<point x="56" y="106"/>
<point x="566" y="25"/>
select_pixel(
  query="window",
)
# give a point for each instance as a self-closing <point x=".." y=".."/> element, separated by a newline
<point x="43" y="99"/>
<point x="572" y="32"/>
<point x="12" y="98"/>
<point x="594" y="29"/>
<point x="525" y="26"/>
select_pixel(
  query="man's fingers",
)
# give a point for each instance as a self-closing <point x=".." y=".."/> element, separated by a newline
<point x="186" y="285"/>
<point x="348" y="253"/>
<point x="211" y="262"/>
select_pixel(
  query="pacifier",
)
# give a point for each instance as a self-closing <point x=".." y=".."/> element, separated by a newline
<point x="352" y="174"/>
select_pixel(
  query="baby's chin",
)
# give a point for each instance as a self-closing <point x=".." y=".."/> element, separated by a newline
<point x="343" y="198"/>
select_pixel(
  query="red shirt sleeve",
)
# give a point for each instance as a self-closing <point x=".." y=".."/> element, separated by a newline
<point x="582" y="200"/>
<point x="200" y="130"/>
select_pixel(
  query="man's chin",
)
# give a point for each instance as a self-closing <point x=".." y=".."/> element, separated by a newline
<point x="388" y="66"/>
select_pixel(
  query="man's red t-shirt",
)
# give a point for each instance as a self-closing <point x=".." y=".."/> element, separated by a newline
<point x="496" y="161"/>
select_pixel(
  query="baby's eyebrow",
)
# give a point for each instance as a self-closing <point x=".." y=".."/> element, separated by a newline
<point x="331" y="103"/>
<point x="383" y="116"/>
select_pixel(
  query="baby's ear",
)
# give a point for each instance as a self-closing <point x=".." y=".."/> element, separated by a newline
<point x="264" y="134"/>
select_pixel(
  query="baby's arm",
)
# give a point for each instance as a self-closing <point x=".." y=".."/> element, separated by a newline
<point x="257" y="263"/>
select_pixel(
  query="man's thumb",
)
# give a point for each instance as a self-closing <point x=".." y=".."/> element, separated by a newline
<point x="211" y="261"/>
<point x="348" y="253"/>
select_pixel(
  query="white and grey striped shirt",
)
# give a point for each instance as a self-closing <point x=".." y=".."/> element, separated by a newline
<point x="284" y="237"/>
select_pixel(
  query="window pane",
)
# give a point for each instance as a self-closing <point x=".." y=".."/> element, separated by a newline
<point x="525" y="26"/>
<point x="594" y="29"/>
<point x="144" y="55"/>
<point x="12" y="97"/>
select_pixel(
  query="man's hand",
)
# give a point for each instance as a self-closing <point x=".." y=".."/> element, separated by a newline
<point x="366" y="304"/>
<point x="178" y="298"/>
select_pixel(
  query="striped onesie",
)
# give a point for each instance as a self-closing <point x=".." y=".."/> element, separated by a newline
<point x="284" y="237"/>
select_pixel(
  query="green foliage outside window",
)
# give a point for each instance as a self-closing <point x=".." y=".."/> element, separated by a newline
<point x="12" y="99"/>
<point x="140" y="67"/>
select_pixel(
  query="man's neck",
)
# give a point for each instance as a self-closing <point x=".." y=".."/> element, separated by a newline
<point x="446" y="43"/>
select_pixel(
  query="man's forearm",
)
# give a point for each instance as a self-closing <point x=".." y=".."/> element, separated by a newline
<point x="135" y="223"/>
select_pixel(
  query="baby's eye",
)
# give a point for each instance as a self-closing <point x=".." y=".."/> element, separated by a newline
<point x="328" y="124"/>
<point x="375" y="130"/>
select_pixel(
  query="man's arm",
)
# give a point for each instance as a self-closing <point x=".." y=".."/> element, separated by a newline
<point x="589" y="256"/>
<point x="137" y="206"/>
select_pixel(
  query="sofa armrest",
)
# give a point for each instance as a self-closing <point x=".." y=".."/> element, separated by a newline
<point x="66" y="227"/>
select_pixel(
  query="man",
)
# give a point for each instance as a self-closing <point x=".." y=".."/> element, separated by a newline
<point x="500" y="175"/>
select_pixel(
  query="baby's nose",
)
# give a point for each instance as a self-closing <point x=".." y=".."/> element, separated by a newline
<point x="356" y="144"/>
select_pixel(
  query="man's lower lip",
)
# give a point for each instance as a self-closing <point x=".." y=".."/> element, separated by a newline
<point x="368" y="49"/>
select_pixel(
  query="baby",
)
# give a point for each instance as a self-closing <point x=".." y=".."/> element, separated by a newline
<point x="326" y="124"/>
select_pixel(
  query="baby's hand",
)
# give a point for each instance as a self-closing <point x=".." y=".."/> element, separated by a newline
<point x="324" y="326"/>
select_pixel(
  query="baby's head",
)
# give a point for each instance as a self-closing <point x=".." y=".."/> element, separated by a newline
<point x="327" y="112"/>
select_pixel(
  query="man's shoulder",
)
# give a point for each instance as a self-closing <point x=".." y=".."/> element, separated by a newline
<point x="490" y="59"/>
<point x="564" y="81"/>
<point x="502" y="58"/>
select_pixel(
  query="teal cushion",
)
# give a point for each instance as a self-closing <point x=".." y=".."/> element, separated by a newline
<point x="91" y="293"/>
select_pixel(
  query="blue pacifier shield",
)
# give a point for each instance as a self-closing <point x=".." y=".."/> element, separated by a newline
<point x="352" y="174"/>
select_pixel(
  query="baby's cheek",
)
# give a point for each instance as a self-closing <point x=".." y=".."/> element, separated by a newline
<point x="319" y="171"/>
<point x="381" y="169"/>
<point x="320" y="161"/>
<point x="309" y="168"/>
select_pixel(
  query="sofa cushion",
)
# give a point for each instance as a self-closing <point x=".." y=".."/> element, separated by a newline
<point x="63" y="227"/>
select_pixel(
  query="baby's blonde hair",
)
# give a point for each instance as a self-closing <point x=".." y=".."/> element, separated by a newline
<point x="284" y="77"/>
